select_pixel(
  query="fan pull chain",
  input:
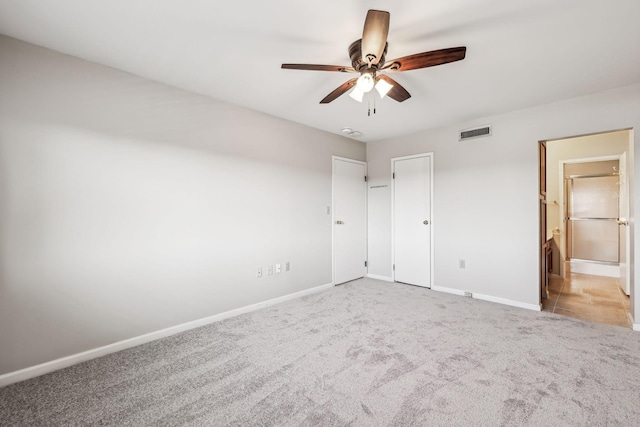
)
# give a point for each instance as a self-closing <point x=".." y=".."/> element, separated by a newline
<point x="369" y="96"/>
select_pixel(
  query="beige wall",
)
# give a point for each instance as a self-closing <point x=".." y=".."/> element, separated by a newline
<point x="587" y="147"/>
<point x="602" y="167"/>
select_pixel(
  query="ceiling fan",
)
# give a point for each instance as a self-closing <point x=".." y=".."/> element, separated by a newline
<point x="368" y="59"/>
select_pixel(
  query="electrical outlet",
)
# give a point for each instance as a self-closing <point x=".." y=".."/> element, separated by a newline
<point x="461" y="263"/>
<point x="259" y="272"/>
<point x="287" y="266"/>
<point x="278" y="269"/>
<point x="270" y="270"/>
<point x="468" y="294"/>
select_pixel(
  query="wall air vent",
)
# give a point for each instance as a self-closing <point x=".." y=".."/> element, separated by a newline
<point x="474" y="133"/>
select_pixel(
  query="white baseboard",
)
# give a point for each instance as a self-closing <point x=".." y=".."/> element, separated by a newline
<point x="447" y="290"/>
<point x="595" y="269"/>
<point x="377" y="277"/>
<point x="490" y="298"/>
<point x="64" y="362"/>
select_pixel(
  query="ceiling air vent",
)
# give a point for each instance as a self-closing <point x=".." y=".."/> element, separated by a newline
<point x="352" y="133"/>
<point x="474" y="133"/>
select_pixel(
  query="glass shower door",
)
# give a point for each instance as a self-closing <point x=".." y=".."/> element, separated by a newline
<point x="592" y="218"/>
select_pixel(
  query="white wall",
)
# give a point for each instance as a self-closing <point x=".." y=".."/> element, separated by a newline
<point x="486" y="192"/>
<point x="127" y="206"/>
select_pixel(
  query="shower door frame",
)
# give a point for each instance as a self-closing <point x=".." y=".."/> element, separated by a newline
<point x="568" y="188"/>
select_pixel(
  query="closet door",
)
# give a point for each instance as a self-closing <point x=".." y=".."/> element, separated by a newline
<point x="412" y="220"/>
<point x="349" y="220"/>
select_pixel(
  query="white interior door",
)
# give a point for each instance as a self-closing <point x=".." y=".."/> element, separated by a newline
<point x="623" y="224"/>
<point x="349" y="220"/>
<point x="412" y="220"/>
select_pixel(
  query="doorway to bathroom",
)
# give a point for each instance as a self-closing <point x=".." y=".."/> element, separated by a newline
<point x="585" y="239"/>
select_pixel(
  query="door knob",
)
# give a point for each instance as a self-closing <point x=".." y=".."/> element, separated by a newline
<point x="425" y="222"/>
<point x="339" y="222"/>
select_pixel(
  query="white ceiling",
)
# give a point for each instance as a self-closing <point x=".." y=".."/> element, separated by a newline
<point x="520" y="53"/>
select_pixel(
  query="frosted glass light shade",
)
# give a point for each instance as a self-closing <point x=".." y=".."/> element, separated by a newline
<point x="383" y="87"/>
<point x="356" y="94"/>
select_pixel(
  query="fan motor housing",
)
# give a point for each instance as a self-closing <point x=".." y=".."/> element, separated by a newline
<point x="355" y="53"/>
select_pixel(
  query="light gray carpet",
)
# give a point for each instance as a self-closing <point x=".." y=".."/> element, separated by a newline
<point x="366" y="353"/>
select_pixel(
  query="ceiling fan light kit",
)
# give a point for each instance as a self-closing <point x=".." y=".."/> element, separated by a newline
<point x="368" y="59"/>
<point x="366" y="82"/>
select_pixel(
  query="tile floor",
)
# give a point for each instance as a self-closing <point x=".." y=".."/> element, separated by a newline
<point x="587" y="297"/>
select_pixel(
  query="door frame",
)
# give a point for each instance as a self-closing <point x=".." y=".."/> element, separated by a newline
<point x="430" y="155"/>
<point x="543" y="244"/>
<point x="631" y="241"/>
<point x="333" y="219"/>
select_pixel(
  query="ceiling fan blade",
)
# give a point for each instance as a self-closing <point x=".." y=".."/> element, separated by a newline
<point x="340" y="90"/>
<point x="397" y="92"/>
<point x="426" y="59"/>
<point x="312" y="67"/>
<point x="374" y="35"/>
